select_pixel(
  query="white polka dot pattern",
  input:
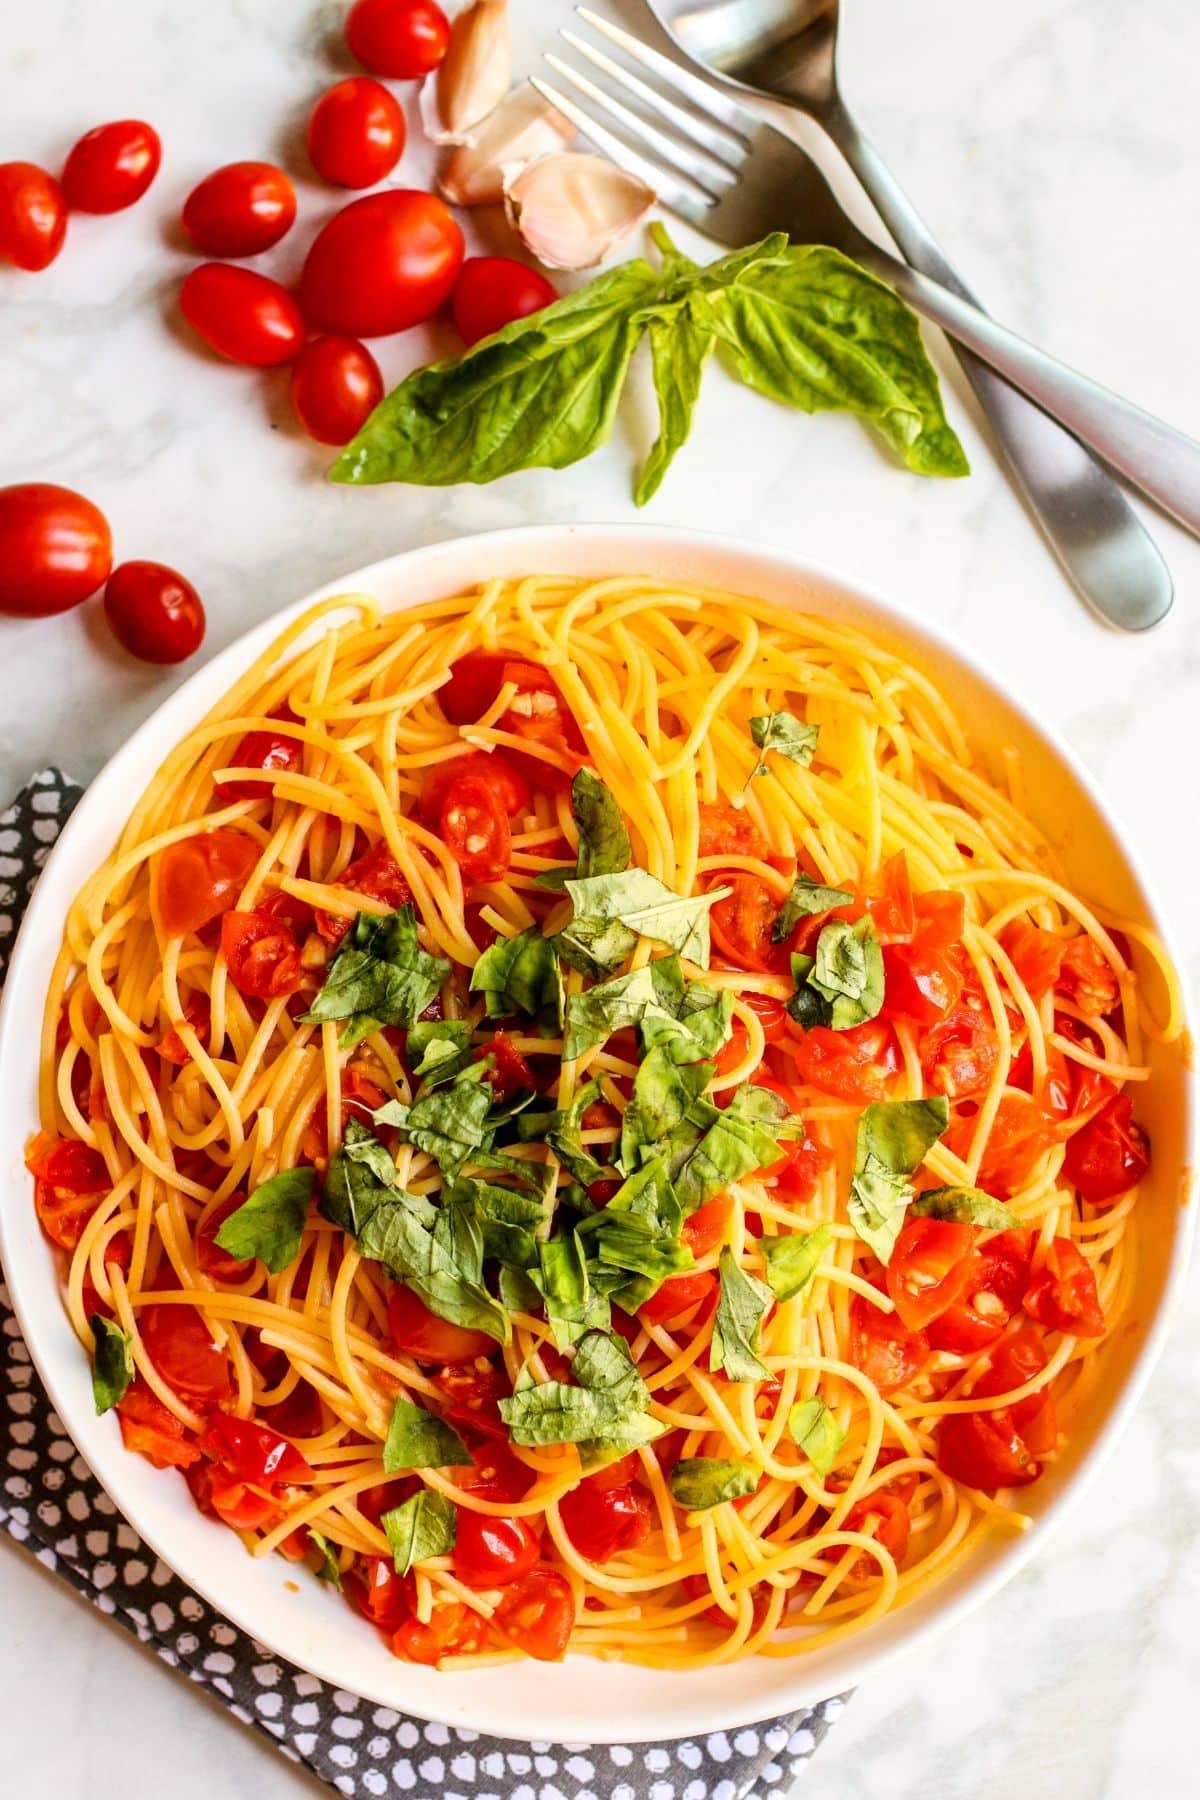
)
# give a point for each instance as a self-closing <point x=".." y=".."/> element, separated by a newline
<point x="50" y="1501"/>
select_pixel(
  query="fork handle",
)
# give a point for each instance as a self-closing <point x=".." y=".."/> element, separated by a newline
<point x="1098" y="538"/>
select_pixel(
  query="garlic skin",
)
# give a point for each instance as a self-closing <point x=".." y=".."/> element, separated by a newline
<point x="571" y="209"/>
<point x="522" y="128"/>
<point x="474" y="75"/>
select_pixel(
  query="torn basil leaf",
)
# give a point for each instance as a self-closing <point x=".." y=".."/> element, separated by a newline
<point x="380" y="976"/>
<point x="646" y="905"/>
<point x="562" y="1131"/>
<point x="424" y="1526"/>
<point x="691" y="1019"/>
<point x="965" y="1206"/>
<point x="744" y="1136"/>
<point x="270" y="1224"/>
<point x="891" y="1144"/>
<point x="738" y="1323"/>
<point x="509" y="1218"/>
<point x="596" y="947"/>
<point x="328" y="1569"/>
<point x="520" y="975"/>
<point x="605" y="1397"/>
<point x="815" y="1431"/>
<point x="847" y="973"/>
<point x="417" y="1439"/>
<point x="438" y="1049"/>
<point x="793" y="1259"/>
<point x="784" y="732"/>
<point x="806" y="899"/>
<point x="112" y="1362"/>
<point x="562" y="1276"/>
<point x="663" y="1093"/>
<point x="360" y="1176"/>
<point x="449" y="1123"/>
<point x="698" y="1482"/>
<point x="604" y="847"/>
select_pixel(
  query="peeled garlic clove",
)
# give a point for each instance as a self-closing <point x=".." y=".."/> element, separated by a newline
<point x="474" y="75"/>
<point x="571" y="209"/>
<point x="522" y="127"/>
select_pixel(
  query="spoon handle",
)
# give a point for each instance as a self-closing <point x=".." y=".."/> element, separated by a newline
<point x="1087" y="520"/>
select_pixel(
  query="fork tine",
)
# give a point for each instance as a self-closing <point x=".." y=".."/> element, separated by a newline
<point x="704" y="95"/>
<point x="690" y="203"/>
<point x="725" y="146"/>
<point x="693" y="162"/>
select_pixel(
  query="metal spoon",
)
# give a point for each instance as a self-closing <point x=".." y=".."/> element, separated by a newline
<point x="786" y="50"/>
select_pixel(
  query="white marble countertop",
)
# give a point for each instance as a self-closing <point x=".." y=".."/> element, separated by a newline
<point x="1057" y="149"/>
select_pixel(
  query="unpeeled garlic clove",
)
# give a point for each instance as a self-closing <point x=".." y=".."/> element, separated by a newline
<point x="571" y="209"/>
<point x="474" y="75"/>
<point x="522" y="127"/>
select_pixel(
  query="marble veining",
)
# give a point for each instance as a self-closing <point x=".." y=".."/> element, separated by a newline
<point x="1057" y="151"/>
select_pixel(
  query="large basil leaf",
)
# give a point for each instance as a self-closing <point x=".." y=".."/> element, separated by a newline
<point x="417" y="1439"/>
<point x="596" y="947"/>
<point x="815" y="1430"/>
<point x="642" y="903"/>
<point x="604" y="846"/>
<point x="698" y="1482"/>
<point x="562" y="1278"/>
<point x="380" y="976"/>
<point x="891" y="1144"/>
<point x="679" y="349"/>
<point x="691" y="1019"/>
<point x="450" y="1123"/>
<point x="424" y="1526"/>
<point x="436" y="1050"/>
<point x="270" y="1224"/>
<point x="738" y="1323"/>
<point x="793" y="1259"/>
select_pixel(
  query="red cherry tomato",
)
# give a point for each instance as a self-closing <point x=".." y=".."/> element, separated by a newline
<point x="473" y="825"/>
<point x="1062" y="1295"/>
<point x="883" y="1348"/>
<point x="743" y="921"/>
<point x="402" y="39"/>
<point x="471" y="1392"/>
<point x="271" y="751"/>
<point x="1036" y="955"/>
<point x="678" y="1297"/>
<point x="1014" y="1362"/>
<point x="242" y="315"/>
<point x="704" y="1229"/>
<point x="200" y="877"/>
<point x="375" y="874"/>
<point x="930" y="1267"/>
<point x="383" y="263"/>
<point x="507" y="782"/>
<point x="939" y="917"/>
<point x="490" y="1552"/>
<point x="959" y="1054"/>
<point x="892" y="907"/>
<point x="496" y="1474"/>
<point x="799" y="1170"/>
<point x="234" y="1502"/>
<point x="1000" y="1447"/>
<point x="111" y="166"/>
<point x="997" y="1277"/>
<point x="336" y="386"/>
<point x="538" y="1615"/>
<point x="729" y="831"/>
<point x="33" y="216"/>
<point x="262" y="955"/>
<point x="253" y="1452"/>
<point x="154" y="612"/>
<point x="55" y="549"/>
<point x="425" y="1337"/>
<point x="240" y="209"/>
<point x="171" y="1046"/>
<point x="1087" y="978"/>
<point x="920" y="983"/>
<point x="1021" y="1134"/>
<point x="379" y="1593"/>
<point x="209" y="1255"/>
<point x="179" y="1344"/>
<point x="1109" y="1156"/>
<point x="885" y="1517"/>
<point x="492" y="291"/>
<point x="853" y="1065"/>
<point x="152" y="1429"/>
<point x="69" y="1180"/>
<point x="601" y="1522"/>
<point x="771" y="1014"/>
<point x="355" y="133"/>
<point x="454" y="1630"/>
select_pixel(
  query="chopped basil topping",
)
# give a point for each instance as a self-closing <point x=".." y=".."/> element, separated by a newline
<point x="784" y="732"/>
<point x="842" y="985"/>
<point x="416" y="1439"/>
<point x="964" y="1205"/>
<point x="270" y="1224"/>
<point x="793" y="1259"/>
<point x="817" y="1433"/>
<point x="891" y="1144"/>
<point x="422" y="1527"/>
<point x="520" y="975"/>
<point x="806" y="899"/>
<point x="698" y="1482"/>
<point x="743" y="1304"/>
<point x="604" y="847"/>
<point x="605" y="1400"/>
<point x="380" y="976"/>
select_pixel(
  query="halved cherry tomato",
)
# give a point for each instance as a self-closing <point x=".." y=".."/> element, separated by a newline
<point x="237" y="1503"/>
<point x="454" y="1630"/>
<point x="55" y="548"/>
<point x="200" y="877"/>
<point x="359" y="1095"/>
<point x="771" y="1014"/>
<point x="506" y="780"/>
<point x="382" y="1596"/>
<point x="111" y="166"/>
<point x="799" y="1170"/>
<point x="474" y="827"/>
<point x="335" y="386"/>
<point x="920" y="983"/>
<point x="883" y="1348"/>
<point x="70" y="1178"/>
<point x="240" y="209"/>
<point x="538" y="1615"/>
<point x="1088" y="979"/>
<point x="385" y="262"/>
<point x="1017" y="1360"/>
<point x="884" y="1516"/>
<point x="601" y="1522"/>
<point x="471" y="1392"/>
<point x="743" y="921"/>
<point x="152" y="1429"/>
<point x="495" y="1474"/>
<point x="262" y="955"/>
<point x="728" y="831"/>
<point x="1062" y="1294"/>
<point x="1089" y="1089"/>
<point x="704" y="1229"/>
<point x="253" y="1452"/>
<point x="171" y="1046"/>
<point x="509" y="1074"/>
<point x="991" y="1296"/>
<point x="892" y="907"/>
<point x="271" y="751"/>
<point x="929" y="1269"/>
<point x="853" y="1065"/>
<point x="33" y="216"/>
<point x="490" y="1552"/>
<point x="733" y="1050"/>
<point x="209" y="1255"/>
<point x="384" y="1497"/>
<point x="179" y="1344"/>
<point x="492" y="291"/>
<point x="375" y="874"/>
<point x="1109" y="1156"/>
<point x="538" y="711"/>
<point x="154" y="612"/>
<point x="242" y="315"/>
<point x="356" y="133"/>
<point x="401" y="39"/>
<point x="1001" y="1447"/>
<point x="959" y="1054"/>
<point x="679" y="1296"/>
<point x="1035" y="954"/>
<point x="1021" y="1134"/>
<point x="425" y="1337"/>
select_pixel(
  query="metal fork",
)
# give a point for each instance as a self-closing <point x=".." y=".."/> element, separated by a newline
<point x="736" y="178"/>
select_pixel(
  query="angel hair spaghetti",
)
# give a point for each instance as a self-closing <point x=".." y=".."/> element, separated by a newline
<point x="577" y="1111"/>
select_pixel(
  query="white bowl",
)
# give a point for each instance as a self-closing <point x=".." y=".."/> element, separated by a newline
<point x="580" y="1700"/>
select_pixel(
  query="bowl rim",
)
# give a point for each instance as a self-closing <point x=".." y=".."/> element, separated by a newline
<point x="857" y="1657"/>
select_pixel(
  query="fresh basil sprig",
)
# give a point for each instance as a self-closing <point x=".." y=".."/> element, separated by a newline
<point x="784" y="732"/>
<point x="801" y="323"/>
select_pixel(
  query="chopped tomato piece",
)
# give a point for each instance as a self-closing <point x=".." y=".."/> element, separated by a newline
<point x="679" y="1296"/>
<point x="375" y="875"/>
<point x="939" y="917"/>
<point x="152" y="1429"/>
<point x="959" y="1054"/>
<point x="299" y="1415"/>
<point x="454" y="1630"/>
<point x="473" y="825"/>
<point x="421" y="1334"/>
<point x="1088" y="979"/>
<point x="171" y="1046"/>
<point x="743" y="921"/>
<point x="382" y="1596"/>
<point x="490" y="1552"/>
<point x="472" y="1391"/>
<point x="537" y="711"/>
<point x="238" y="1503"/>
<point x="853" y="1065"/>
<point x="772" y="1015"/>
<point x="495" y="1474"/>
<point x="1035" y="954"/>
<point x="1000" y="1447"/>
<point x="991" y="1296"/>
<point x="538" y="1615"/>
<point x="70" y="1179"/>
<point x="1021" y="1134"/>
<point x="505" y="780"/>
<point x="254" y="1452"/>
<point x="1109" y="1156"/>
<point x="209" y="1255"/>
<point x="920" y="983"/>
<point x="601" y="1522"/>
<point x="1062" y="1295"/>
<point x="883" y="1516"/>
<point x="883" y="1347"/>
<point x="508" y="1073"/>
<point x="262" y="956"/>
<point x="274" y="752"/>
<point x="1014" y="1362"/>
<point x="201" y="877"/>
<point x="799" y="1170"/>
<point x="704" y="1229"/>
<point x="728" y="831"/>
<point x="929" y="1268"/>
<point x="179" y="1344"/>
<point x="892" y="907"/>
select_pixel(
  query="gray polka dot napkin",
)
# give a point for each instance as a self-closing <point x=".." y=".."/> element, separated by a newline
<point x="51" y="1502"/>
